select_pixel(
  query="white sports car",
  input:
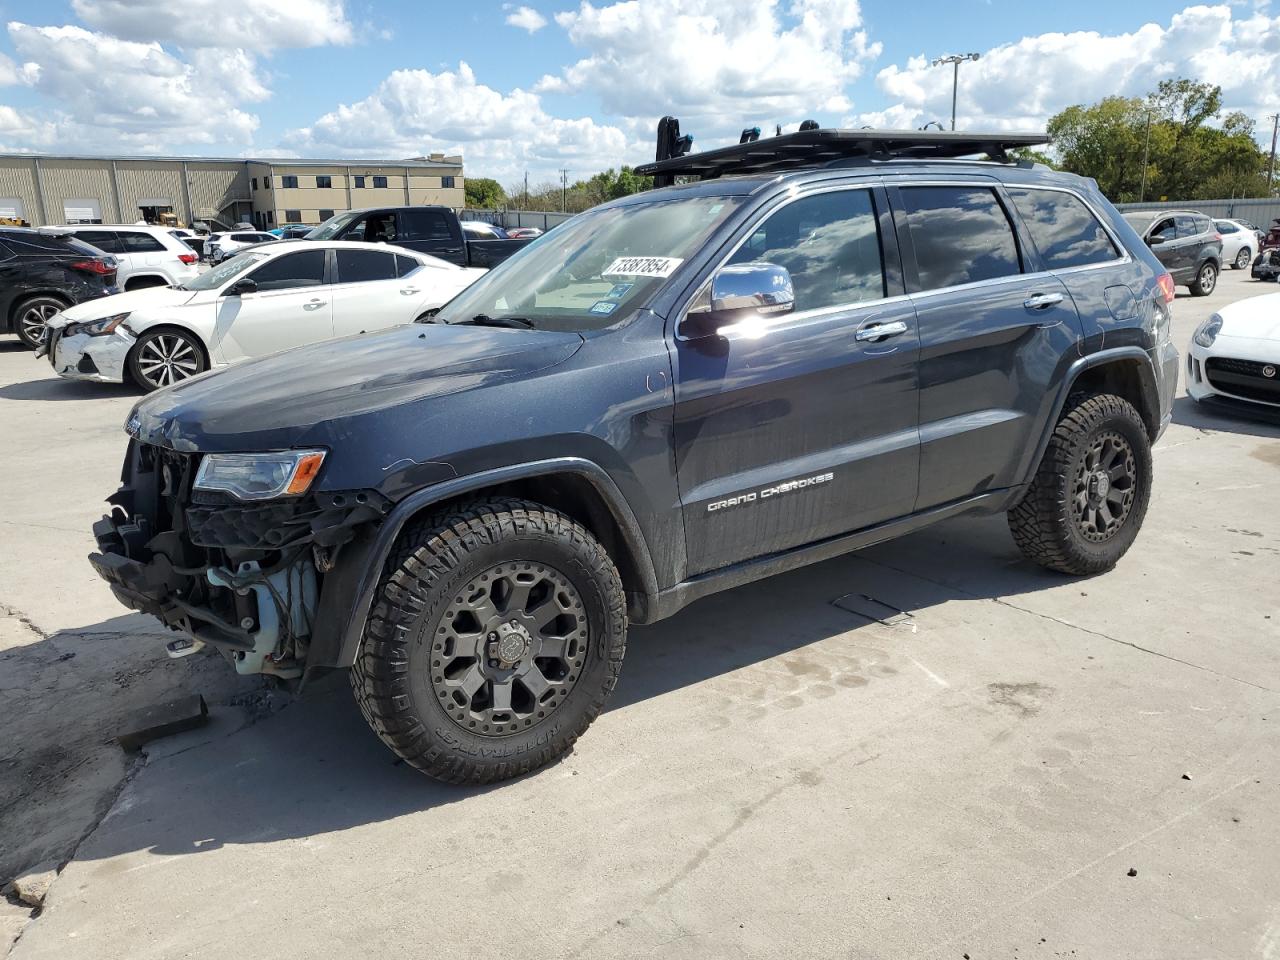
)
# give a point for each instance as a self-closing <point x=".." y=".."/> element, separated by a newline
<point x="1235" y="354"/>
<point x="266" y="299"/>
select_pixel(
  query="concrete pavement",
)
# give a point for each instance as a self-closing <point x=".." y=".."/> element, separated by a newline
<point x="775" y="776"/>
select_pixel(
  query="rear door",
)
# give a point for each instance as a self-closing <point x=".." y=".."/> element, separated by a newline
<point x="368" y="293"/>
<point x="993" y="328"/>
<point x="803" y="427"/>
<point x="291" y="306"/>
<point x="431" y="232"/>
<point x="145" y="252"/>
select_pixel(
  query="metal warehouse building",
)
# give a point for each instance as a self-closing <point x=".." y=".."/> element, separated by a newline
<point x="46" y="189"/>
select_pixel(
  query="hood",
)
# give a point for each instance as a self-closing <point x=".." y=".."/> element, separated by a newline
<point x="310" y="394"/>
<point x="1257" y="318"/>
<point x="122" y="303"/>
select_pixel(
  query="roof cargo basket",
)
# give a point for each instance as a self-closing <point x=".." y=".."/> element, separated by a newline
<point x="814" y="146"/>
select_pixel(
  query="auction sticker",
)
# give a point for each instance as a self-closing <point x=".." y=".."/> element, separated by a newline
<point x="642" y="267"/>
<point x="604" y="307"/>
<point x="619" y="291"/>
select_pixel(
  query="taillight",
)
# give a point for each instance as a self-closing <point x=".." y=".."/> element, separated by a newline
<point x="100" y="267"/>
<point x="188" y="258"/>
<point x="1165" y="282"/>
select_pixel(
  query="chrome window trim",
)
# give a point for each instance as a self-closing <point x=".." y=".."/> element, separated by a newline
<point x="783" y="321"/>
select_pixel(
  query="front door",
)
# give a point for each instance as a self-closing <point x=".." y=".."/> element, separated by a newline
<point x="994" y="331"/>
<point x="804" y="427"/>
<point x="291" y="306"/>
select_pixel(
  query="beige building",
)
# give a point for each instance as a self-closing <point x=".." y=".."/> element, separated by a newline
<point x="46" y="190"/>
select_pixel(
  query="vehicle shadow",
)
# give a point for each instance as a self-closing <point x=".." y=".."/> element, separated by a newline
<point x="58" y="389"/>
<point x="316" y="768"/>
<point x="1250" y="422"/>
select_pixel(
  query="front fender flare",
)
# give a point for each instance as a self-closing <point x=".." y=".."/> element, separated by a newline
<point x="348" y="592"/>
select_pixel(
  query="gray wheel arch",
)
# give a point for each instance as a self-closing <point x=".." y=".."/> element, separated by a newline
<point x="348" y="592"/>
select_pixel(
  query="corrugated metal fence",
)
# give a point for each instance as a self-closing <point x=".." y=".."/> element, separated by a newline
<point x="1259" y="212"/>
<point x="516" y="218"/>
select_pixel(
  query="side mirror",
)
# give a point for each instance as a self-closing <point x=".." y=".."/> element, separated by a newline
<point x="241" y="287"/>
<point x="740" y="292"/>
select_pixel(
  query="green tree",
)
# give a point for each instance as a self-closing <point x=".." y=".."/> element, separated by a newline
<point x="484" y="193"/>
<point x="1187" y="156"/>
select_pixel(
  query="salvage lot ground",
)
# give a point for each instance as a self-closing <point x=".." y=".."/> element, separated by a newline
<point x="775" y="776"/>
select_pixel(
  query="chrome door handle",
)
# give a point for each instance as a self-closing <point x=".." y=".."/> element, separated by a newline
<point x="881" y="331"/>
<point x="409" y="291"/>
<point x="1039" y="301"/>
<point x="312" y="304"/>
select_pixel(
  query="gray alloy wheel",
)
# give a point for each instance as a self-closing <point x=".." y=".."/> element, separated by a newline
<point x="32" y="317"/>
<point x="1205" y="281"/>
<point x="1243" y="258"/>
<point x="164" y="358"/>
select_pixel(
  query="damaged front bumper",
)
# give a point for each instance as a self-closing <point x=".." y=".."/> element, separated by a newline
<point x="245" y="578"/>
<point x="100" y="359"/>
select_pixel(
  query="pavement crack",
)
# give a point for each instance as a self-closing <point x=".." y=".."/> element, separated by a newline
<point x="1073" y="626"/>
<point x="22" y="618"/>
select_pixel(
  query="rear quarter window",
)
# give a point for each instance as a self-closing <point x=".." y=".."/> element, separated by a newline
<point x="1063" y="228"/>
<point x="961" y="234"/>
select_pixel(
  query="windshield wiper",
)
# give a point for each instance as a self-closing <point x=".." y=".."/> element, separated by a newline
<point x="484" y="320"/>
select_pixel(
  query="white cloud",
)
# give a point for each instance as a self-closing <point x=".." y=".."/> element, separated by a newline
<point x="716" y="64"/>
<point x="258" y="25"/>
<point x="1020" y="85"/>
<point x="152" y="100"/>
<point x="526" y="18"/>
<point x="414" y="112"/>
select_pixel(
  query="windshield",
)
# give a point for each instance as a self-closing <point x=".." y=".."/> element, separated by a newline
<point x="334" y="226"/>
<point x="596" y="269"/>
<point x="231" y="267"/>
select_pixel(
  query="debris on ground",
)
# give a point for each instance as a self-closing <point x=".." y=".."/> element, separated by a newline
<point x="165" y="719"/>
<point x="1186" y="776"/>
<point x="1133" y="872"/>
<point x="33" y="884"/>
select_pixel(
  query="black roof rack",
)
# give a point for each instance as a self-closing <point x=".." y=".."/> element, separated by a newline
<point x="819" y="146"/>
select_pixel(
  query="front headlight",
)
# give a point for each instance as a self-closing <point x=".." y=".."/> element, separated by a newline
<point x="98" y="328"/>
<point x="1208" y="331"/>
<point x="260" y="476"/>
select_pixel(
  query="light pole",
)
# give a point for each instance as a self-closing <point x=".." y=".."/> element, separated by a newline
<point x="1275" y="125"/>
<point x="1146" y="150"/>
<point x="955" y="59"/>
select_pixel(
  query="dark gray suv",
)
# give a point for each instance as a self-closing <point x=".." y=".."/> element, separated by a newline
<point x="1187" y="243"/>
<point x="818" y="342"/>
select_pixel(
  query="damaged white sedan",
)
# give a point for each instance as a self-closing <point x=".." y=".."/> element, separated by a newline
<point x="267" y="299"/>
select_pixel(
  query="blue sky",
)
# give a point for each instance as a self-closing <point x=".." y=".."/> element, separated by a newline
<point x="544" y="85"/>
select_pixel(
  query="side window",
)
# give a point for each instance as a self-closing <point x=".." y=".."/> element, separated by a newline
<point x="380" y="228"/>
<point x="326" y="215"/>
<point x="1063" y="228"/>
<point x="1223" y="227"/>
<point x="1187" y="226"/>
<point x="829" y="243"/>
<point x="1203" y="225"/>
<point x="423" y="225"/>
<point x="140" y="243"/>
<point x="254" y="183"/>
<point x="359" y="184"/>
<point x="104" y="240"/>
<point x="305" y="269"/>
<point x="1163" y="231"/>
<point x="292" y="216"/>
<point x="406" y="265"/>
<point x="361" y="266"/>
<point x="961" y="235"/>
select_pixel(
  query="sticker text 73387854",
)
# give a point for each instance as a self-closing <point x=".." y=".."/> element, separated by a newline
<point x="642" y="267"/>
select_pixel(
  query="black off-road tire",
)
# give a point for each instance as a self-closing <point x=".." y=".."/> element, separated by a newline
<point x="1206" y="280"/>
<point x="432" y="562"/>
<point x="1045" y="523"/>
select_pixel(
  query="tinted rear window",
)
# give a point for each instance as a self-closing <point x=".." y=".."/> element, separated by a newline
<point x="961" y="235"/>
<point x="1063" y="228"/>
<point x="40" y="245"/>
<point x="360" y="266"/>
<point x="140" y="243"/>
